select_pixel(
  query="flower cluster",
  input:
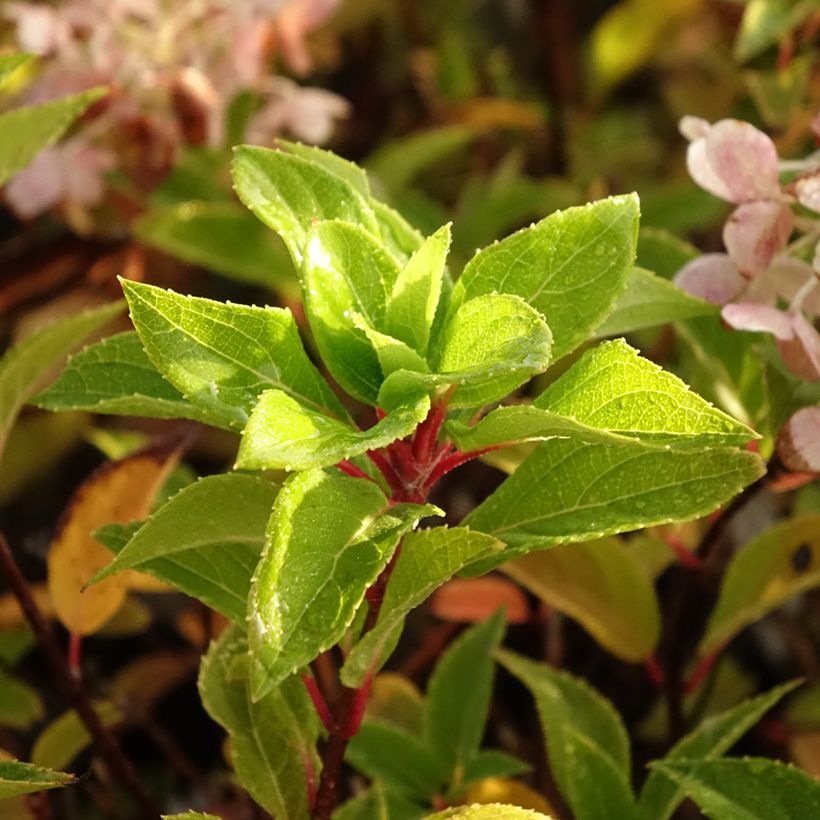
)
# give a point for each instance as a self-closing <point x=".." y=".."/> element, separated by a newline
<point x="763" y="267"/>
<point x="174" y="69"/>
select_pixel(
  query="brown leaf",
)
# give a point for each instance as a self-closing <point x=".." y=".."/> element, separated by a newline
<point x="470" y="600"/>
<point x="119" y="492"/>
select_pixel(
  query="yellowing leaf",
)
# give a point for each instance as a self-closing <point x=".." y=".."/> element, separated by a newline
<point x="119" y="492"/>
<point x="770" y="569"/>
<point x="603" y="586"/>
<point x="503" y="790"/>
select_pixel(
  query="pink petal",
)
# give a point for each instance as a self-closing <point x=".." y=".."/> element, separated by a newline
<point x="760" y="318"/>
<point x="798" y="444"/>
<point x="693" y="128"/>
<point x="788" y="276"/>
<point x="38" y="187"/>
<point x="713" y="277"/>
<point x="83" y="168"/>
<point x="801" y="354"/>
<point x="736" y="162"/>
<point x="755" y="233"/>
<point x="808" y="191"/>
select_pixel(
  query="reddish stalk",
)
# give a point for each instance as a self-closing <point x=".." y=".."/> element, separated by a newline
<point x="701" y="671"/>
<point x="75" y="648"/>
<point x="319" y="704"/>
<point x="352" y="470"/>
<point x="653" y="669"/>
<point x="450" y="462"/>
<point x="386" y="469"/>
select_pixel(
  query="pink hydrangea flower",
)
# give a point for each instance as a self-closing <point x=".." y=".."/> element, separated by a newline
<point x="798" y="443"/>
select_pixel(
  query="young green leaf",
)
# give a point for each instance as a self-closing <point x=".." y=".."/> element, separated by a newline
<point x="222" y="357"/>
<point x="20" y="705"/>
<point x="348" y="171"/>
<point x="290" y="193"/>
<point x="402" y="762"/>
<point x="206" y="540"/>
<point x="649" y="300"/>
<point x="613" y="388"/>
<point x="780" y="563"/>
<point x="490" y="811"/>
<point x="603" y="586"/>
<point x="571" y="712"/>
<point x="598" y="789"/>
<point x="745" y="788"/>
<point x="26" y="364"/>
<point x="571" y="267"/>
<point x="662" y="252"/>
<point x="412" y="304"/>
<point x="222" y="237"/>
<point x="328" y="539"/>
<point x="393" y="354"/>
<point x="568" y="491"/>
<point x="493" y="763"/>
<point x="346" y="271"/>
<point x="458" y="698"/>
<point x="272" y="740"/>
<point x="282" y="434"/>
<point x="116" y="376"/>
<point x="661" y="795"/>
<point x="400" y="238"/>
<point x="25" y="778"/>
<point x="24" y="132"/>
<point x="428" y="559"/>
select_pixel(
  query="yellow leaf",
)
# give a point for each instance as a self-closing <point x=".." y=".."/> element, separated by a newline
<point x="396" y="700"/>
<point x="503" y="790"/>
<point x="10" y="613"/>
<point x="600" y="584"/>
<point x="119" y="492"/>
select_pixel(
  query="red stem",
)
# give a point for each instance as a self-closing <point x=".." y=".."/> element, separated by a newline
<point x="319" y="703"/>
<point x="354" y="717"/>
<point x="701" y="671"/>
<point x="450" y="462"/>
<point x="685" y="556"/>
<point x="352" y="470"/>
<point x="428" y="430"/>
<point x="386" y="469"/>
<point x="75" y="647"/>
<point x="653" y="669"/>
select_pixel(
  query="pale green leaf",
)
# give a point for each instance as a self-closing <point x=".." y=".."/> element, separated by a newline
<point x="649" y="300"/>
<point x="490" y="811"/>
<point x="9" y="63"/>
<point x="428" y="559"/>
<point x="272" y="740"/>
<point x="402" y="762"/>
<point x="66" y="737"/>
<point x="328" y="539"/>
<point x="282" y="434"/>
<point x="603" y="586"/>
<point x="290" y="193"/>
<point x="571" y="711"/>
<point x="458" y="698"/>
<point x="25" y="778"/>
<point x="348" y="171"/>
<point x="116" y="376"/>
<point x="746" y="788"/>
<point x="392" y="353"/>
<point x="765" y="22"/>
<point x="399" y="237"/>
<point x="412" y="304"/>
<point x="493" y="763"/>
<point x="20" y="705"/>
<point x="24" y="366"/>
<point x="662" y="252"/>
<point x="24" y="132"/>
<point x="571" y="267"/>
<point x="717" y="734"/>
<point x="598" y="789"/>
<point x="222" y="356"/>
<point x="777" y="565"/>
<point x="378" y="804"/>
<point x="220" y="236"/>
<point x="206" y="540"/>
<point x="346" y="271"/>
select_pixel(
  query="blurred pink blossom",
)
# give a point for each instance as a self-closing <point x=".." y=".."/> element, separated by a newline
<point x="798" y="443"/>
<point x="756" y="232"/>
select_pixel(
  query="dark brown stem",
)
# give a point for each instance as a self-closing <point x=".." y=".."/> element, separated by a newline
<point x="73" y="690"/>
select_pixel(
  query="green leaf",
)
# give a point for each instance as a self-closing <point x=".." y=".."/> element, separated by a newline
<point x="221" y="356"/>
<point x="189" y="815"/>
<point x="392" y="353"/>
<point x="428" y="559"/>
<point x="648" y="301"/>
<point x="9" y="63"/>
<point x="400" y="238"/>
<point x="493" y="763"/>
<point x="282" y="434"/>
<point x="348" y="171"/>
<point x="290" y="193"/>
<point x="603" y="586"/>
<point x="272" y="740"/>
<point x="661" y="795"/>
<point x="491" y="811"/>
<point x="412" y="304"/>
<point x="402" y="762"/>
<point x="116" y="376"/>
<point x="598" y="789"/>
<point x="206" y="540"/>
<point x="24" y="366"/>
<point x="571" y="267"/>
<point x="568" y="491"/>
<point x="328" y="539"/>
<point x="458" y="698"/>
<point x="24" y="132"/>
<point x="777" y="565"/>
<point x="585" y="735"/>
<point x="613" y="388"/>
<point x="25" y="778"/>
<point x="746" y="788"/>
<point x="20" y="705"/>
<point x="346" y="271"/>
<point x="220" y="236"/>
<point x="65" y="738"/>
<point x="662" y="252"/>
<point x="766" y="21"/>
<point x="378" y="804"/>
